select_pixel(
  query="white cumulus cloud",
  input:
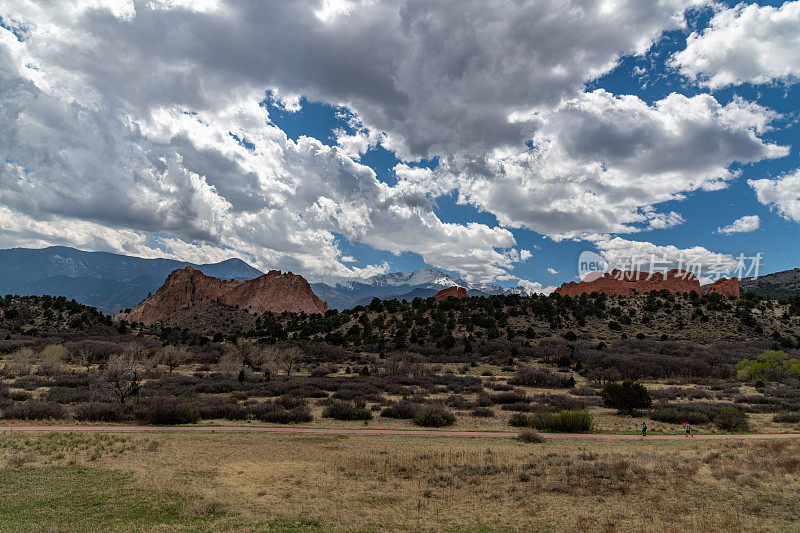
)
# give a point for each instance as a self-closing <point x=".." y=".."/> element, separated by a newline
<point x="648" y="257"/>
<point x="745" y="224"/>
<point x="600" y="163"/>
<point x="746" y="43"/>
<point x="781" y="193"/>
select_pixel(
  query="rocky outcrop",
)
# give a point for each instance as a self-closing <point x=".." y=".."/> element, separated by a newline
<point x="633" y="282"/>
<point x="725" y="287"/>
<point x="274" y="291"/>
<point x="454" y="291"/>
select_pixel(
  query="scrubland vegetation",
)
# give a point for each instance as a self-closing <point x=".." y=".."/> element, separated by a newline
<point x="547" y="363"/>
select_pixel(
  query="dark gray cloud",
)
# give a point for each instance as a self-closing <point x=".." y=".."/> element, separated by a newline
<point x="600" y="163"/>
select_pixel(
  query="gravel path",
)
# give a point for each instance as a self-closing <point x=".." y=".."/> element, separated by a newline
<point x="425" y="433"/>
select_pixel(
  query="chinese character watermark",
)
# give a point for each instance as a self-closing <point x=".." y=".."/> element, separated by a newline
<point x="592" y="265"/>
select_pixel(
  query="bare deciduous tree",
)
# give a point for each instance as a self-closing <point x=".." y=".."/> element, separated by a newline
<point x="52" y="357"/>
<point x="601" y="377"/>
<point x="122" y="376"/>
<point x="21" y="362"/>
<point x="85" y="358"/>
<point x="136" y="351"/>
<point x="284" y="358"/>
<point x="172" y="357"/>
<point x="230" y="362"/>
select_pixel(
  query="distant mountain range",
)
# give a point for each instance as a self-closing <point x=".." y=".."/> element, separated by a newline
<point x="107" y="281"/>
<point x="422" y="283"/>
<point x="111" y="282"/>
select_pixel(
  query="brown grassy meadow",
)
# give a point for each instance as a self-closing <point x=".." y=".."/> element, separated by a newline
<point x="255" y="482"/>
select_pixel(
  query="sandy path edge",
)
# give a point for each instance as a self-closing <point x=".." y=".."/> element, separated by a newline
<point x="412" y="432"/>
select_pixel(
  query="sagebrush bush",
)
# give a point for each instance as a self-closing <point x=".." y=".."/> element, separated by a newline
<point x="518" y="420"/>
<point x="530" y="436"/>
<point x="210" y="408"/>
<point x="787" y="418"/>
<point x="522" y="407"/>
<point x="99" y="412"/>
<point x="35" y="410"/>
<point x="77" y="379"/>
<point x="20" y="396"/>
<point x="403" y="409"/>
<point x="483" y="412"/>
<point x="514" y="396"/>
<point x="561" y="422"/>
<point x="358" y="392"/>
<point x="281" y="411"/>
<point x="539" y="377"/>
<point x="344" y="410"/>
<point x="583" y="391"/>
<point x="626" y="396"/>
<point x="71" y="395"/>
<point x="667" y="393"/>
<point x="562" y="402"/>
<point x="434" y="415"/>
<point x="680" y="415"/>
<point x="696" y="412"/>
<point x="323" y="370"/>
<point x="165" y="411"/>
<point x="730" y="419"/>
<point x="31" y="382"/>
<point x="457" y="401"/>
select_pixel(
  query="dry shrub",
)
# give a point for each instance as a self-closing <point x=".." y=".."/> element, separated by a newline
<point x="33" y="410"/>
<point x="483" y="412"/>
<point x="530" y="436"/>
<point x="434" y="416"/>
<point x="100" y="412"/>
<point x="167" y="411"/>
<point x="343" y="410"/>
<point x="285" y="410"/>
<point x="403" y="409"/>
<point x="579" y="421"/>
<point x="541" y="377"/>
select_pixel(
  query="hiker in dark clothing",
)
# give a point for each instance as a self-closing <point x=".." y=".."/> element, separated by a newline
<point x="644" y="429"/>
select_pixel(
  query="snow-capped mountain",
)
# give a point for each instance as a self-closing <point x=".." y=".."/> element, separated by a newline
<point x="429" y="277"/>
<point x="112" y="282"/>
<point x="423" y="276"/>
<point x="421" y="283"/>
<point x="522" y="291"/>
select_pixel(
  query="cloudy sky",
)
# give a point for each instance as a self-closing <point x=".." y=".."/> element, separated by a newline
<point x="494" y="139"/>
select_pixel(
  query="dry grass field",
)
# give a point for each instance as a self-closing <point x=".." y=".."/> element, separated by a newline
<point x="256" y="482"/>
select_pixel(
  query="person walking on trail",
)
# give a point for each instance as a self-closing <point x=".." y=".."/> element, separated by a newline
<point x="688" y="430"/>
<point x="644" y="429"/>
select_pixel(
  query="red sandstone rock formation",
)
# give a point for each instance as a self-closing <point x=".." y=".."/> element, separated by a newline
<point x="633" y="282"/>
<point x="454" y="291"/>
<point x="274" y="291"/>
<point x="725" y="287"/>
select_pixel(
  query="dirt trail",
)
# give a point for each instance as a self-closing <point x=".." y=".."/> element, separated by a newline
<point x="424" y="433"/>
